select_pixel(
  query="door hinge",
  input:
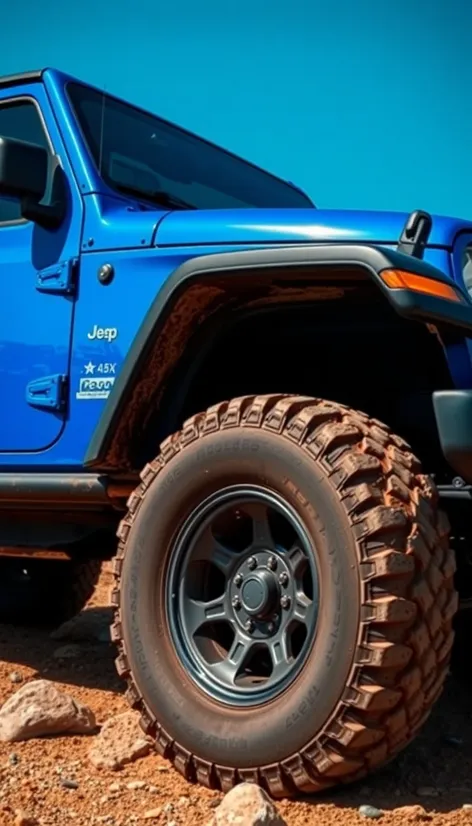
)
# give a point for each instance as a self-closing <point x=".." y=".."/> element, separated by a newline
<point x="48" y="392"/>
<point x="61" y="278"/>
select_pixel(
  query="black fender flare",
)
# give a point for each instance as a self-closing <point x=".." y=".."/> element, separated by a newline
<point x="241" y="264"/>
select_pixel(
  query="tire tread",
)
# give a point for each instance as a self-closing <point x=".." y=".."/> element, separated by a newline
<point x="407" y="592"/>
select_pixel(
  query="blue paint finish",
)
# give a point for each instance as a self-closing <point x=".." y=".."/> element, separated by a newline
<point x="35" y="327"/>
<point x="48" y="330"/>
<point x="139" y="274"/>
<point x="122" y="305"/>
<point x="295" y="226"/>
<point x="46" y="392"/>
<point x="115" y="223"/>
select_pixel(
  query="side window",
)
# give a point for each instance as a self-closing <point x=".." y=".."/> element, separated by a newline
<point x="19" y="119"/>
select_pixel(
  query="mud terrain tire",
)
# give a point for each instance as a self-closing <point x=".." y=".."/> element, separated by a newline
<point x="380" y="654"/>
<point x="50" y="591"/>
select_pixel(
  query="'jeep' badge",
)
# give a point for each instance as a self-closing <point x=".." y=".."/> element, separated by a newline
<point x="107" y="333"/>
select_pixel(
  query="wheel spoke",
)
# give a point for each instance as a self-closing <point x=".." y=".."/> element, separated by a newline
<point x="280" y="654"/>
<point x="210" y="549"/>
<point x="296" y="558"/>
<point x="261" y="532"/>
<point x="228" y="669"/>
<point x="223" y="558"/>
<point x="197" y="613"/>
<point x="301" y="608"/>
<point x="248" y="546"/>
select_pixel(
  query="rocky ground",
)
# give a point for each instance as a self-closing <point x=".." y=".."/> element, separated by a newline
<point x="54" y="782"/>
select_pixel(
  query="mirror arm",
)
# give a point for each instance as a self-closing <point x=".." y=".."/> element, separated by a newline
<point x="52" y="214"/>
<point x="49" y="216"/>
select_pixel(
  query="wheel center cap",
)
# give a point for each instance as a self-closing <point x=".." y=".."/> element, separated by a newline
<point x="258" y="593"/>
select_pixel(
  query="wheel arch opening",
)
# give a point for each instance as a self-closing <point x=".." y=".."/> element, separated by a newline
<point x="324" y="331"/>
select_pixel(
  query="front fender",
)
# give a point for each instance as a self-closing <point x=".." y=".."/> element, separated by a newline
<point x="241" y="268"/>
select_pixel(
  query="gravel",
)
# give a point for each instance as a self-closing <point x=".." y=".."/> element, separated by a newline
<point x="35" y="777"/>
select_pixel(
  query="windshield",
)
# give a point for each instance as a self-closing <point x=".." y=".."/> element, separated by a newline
<point x="138" y="153"/>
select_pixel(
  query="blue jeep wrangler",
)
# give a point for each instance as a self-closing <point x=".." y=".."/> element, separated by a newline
<point x="269" y="404"/>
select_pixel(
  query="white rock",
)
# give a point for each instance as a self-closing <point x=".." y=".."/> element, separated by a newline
<point x="247" y="805"/>
<point x="370" y="811"/>
<point x="39" y="709"/>
<point x="120" y="741"/>
<point x="15" y="677"/>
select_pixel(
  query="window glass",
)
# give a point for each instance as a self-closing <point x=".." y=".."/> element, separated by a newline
<point x="467" y="269"/>
<point x="21" y="120"/>
<point x="136" y="151"/>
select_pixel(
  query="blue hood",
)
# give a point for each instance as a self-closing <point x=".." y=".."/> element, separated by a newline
<point x="276" y="226"/>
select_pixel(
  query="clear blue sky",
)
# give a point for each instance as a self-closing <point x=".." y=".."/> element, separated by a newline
<point x="364" y="103"/>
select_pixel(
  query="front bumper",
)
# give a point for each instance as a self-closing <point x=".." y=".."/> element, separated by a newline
<point x="453" y="411"/>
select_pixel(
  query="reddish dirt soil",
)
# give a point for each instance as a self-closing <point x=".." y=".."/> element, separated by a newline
<point x="31" y="772"/>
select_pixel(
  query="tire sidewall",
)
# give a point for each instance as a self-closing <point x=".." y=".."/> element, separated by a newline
<point x="268" y="733"/>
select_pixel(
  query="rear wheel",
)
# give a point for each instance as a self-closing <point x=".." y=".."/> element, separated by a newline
<point x="45" y="591"/>
<point x="284" y="595"/>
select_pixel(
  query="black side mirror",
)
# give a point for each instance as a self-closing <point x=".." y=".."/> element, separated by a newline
<point x="23" y="169"/>
<point x="24" y="174"/>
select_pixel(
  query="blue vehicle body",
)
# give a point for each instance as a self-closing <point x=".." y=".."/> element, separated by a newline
<point x="186" y="342"/>
<point x="48" y="334"/>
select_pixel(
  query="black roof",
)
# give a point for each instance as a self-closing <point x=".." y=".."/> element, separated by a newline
<point x="24" y="77"/>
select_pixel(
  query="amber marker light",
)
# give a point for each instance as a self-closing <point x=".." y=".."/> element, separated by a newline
<point x="402" y="280"/>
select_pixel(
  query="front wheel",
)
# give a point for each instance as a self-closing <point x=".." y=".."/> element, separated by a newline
<point x="284" y="595"/>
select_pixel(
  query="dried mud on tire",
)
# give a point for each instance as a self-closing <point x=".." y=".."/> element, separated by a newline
<point x="407" y="596"/>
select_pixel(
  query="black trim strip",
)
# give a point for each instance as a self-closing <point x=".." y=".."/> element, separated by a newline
<point x="53" y="488"/>
<point x="241" y="264"/>
<point x="275" y="242"/>
<point x="18" y="80"/>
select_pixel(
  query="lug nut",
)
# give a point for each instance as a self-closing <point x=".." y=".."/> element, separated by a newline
<point x="272" y="563"/>
<point x="249" y="625"/>
<point x="236" y="603"/>
<point x="271" y="628"/>
<point x="283" y="578"/>
<point x="238" y="580"/>
<point x="285" y="601"/>
<point x="252" y="563"/>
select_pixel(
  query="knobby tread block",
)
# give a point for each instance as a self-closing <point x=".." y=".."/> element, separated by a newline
<point x="404" y="642"/>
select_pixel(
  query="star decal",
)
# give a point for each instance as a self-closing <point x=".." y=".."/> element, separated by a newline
<point x="89" y="368"/>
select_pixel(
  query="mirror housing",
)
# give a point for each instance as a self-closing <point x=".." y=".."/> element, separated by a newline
<point x="23" y="169"/>
<point x="25" y="173"/>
